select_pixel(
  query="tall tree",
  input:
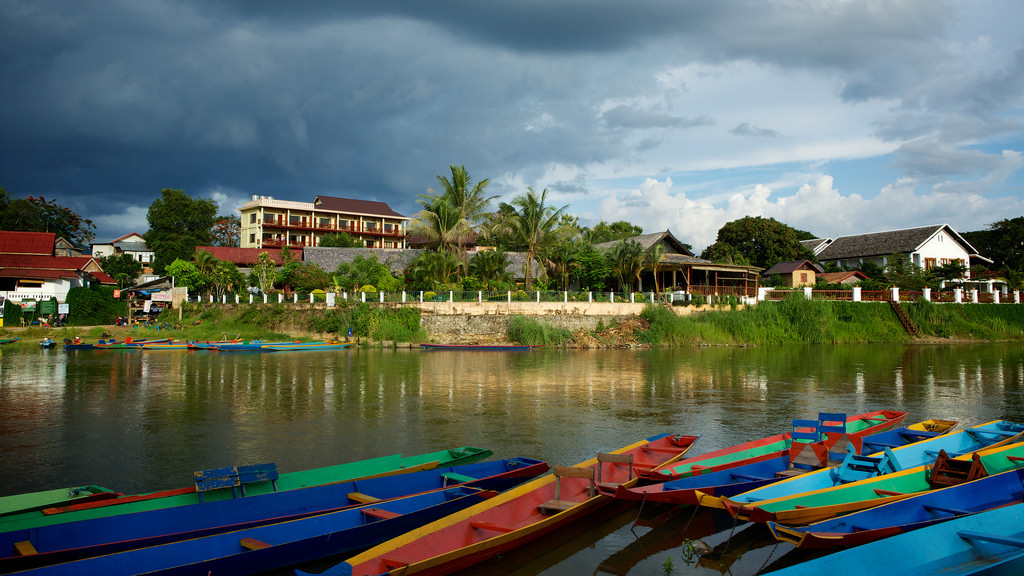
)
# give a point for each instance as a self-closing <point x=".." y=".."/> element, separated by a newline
<point x="33" y="214"/>
<point x="652" y="260"/>
<point x="534" y="226"/>
<point x="122" y="268"/>
<point x="626" y="261"/>
<point x="466" y="199"/>
<point x="490" y="266"/>
<point x="439" y="224"/>
<point x="1002" y="242"/>
<point x="763" y="242"/>
<point x="619" y="230"/>
<point x="177" y="224"/>
<point x="226" y="231"/>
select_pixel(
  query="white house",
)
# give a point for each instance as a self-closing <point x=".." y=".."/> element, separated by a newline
<point x="132" y="244"/>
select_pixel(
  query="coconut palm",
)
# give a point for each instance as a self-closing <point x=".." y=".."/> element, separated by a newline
<point x="490" y="265"/>
<point x="534" y="226"/>
<point x="626" y="259"/>
<point x="467" y="199"/>
<point x="652" y="261"/>
<point x="439" y="224"/>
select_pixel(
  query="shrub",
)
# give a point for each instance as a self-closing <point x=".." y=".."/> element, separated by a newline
<point x="530" y="332"/>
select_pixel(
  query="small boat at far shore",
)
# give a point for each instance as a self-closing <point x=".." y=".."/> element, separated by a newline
<point x="9" y="340"/>
<point x="328" y="345"/>
<point x="490" y="347"/>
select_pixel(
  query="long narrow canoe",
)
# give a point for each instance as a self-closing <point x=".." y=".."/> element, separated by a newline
<point x="987" y="543"/>
<point x="252" y="346"/>
<point x="329" y="345"/>
<point x="908" y="514"/>
<point x="767" y="448"/>
<point x="818" y="505"/>
<point x="746" y="477"/>
<point x="88" y="538"/>
<point x="484" y="347"/>
<point x="275" y="546"/>
<point x="31" y="501"/>
<point x="966" y="441"/>
<point x="394" y="464"/>
<point x="131" y="344"/>
<point x="9" y="340"/>
<point x="512" y="518"/>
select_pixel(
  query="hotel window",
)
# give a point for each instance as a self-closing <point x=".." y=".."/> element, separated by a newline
<point x="252" y="218"/>
<point x="929" y="263"/>
<point x="252" y="238"/>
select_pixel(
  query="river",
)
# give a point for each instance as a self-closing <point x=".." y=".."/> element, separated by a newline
<point x="140" y="421"/>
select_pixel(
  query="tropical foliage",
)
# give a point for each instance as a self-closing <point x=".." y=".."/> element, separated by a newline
<point x="122" y="268"/>
<point x="177" y="224"/>
<point x="33" y="214"/>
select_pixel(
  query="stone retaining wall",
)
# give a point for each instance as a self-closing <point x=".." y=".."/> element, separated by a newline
<point x="469" y="329"/>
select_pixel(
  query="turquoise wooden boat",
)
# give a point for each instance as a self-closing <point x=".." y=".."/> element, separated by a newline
<point x="856" y="468"/>
<point x="482" y="347"/>
<point x="260" y="484"/>
<point x="328" y="345"/>
<point x="989" y="543"/>
<point x="818" y="505"/>
<point x="33" y="501"/>
<point x="912" y="513"/>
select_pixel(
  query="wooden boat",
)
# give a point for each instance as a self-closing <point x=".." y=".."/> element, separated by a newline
<point x="817" y="505"/>
<point x="488" y="347"/>
<point x="28" y="502"/>
<point x="328" y="345"/>
<point x="908" y="514"/>
<point x="9" y="340"/>
<point x="513" y="518"/>
<point x="745" y="477"/>
<point x="275" y="546"/>
<point x="47" y="343"/>
<point x="857" y="468"/>
<point x="986" y="543"/>
<point x="130" y="343"/>
<point x="88" y="538"/>
<point x="251" y="480"/>
<point x="251" y="346"/>
<point x="807" y="431"/>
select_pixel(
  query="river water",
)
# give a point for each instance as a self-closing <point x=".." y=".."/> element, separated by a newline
<point x="140" y="421"/>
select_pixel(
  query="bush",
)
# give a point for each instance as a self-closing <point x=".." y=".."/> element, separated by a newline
<point x="92" y="306"/>
<point x="528" y="331"/>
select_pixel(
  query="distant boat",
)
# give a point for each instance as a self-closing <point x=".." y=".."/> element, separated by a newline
<point x="47" y="343"/>
<point x="501" y="347"/>
<point x="9" y="340"/>
<point x="328" y="345"/>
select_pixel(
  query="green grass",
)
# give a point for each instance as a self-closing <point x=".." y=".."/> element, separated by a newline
<point x="523" y="330"/>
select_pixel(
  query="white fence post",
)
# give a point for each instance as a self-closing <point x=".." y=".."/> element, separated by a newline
<point x="264" y="297"/>
<point x="927" y="294"/>
<point x="509" y="296"/>
<point x="611" y="297"/>
<point x="590" y="297"/>
<point x="808" y="292"/>
<point x="762" y="293"/>
<point x="995" y="296"/>
<point x="403" y="296"/>
<point x="250" y="298"/>
<point x="538" y="296"/>
<point x="974" y="296"/>
<point x="362" y="295"/>
<point x="280" y="298"/>
<point x="1016" y="296"/>
<point x="480" y="296"/>
<point x="566" y="297"/>
<point x="895" y="294"/>
<point x="421" y="296"/>
<point x="958" y="295"/>
<point x="856" y="293"/>
<point x="451" y="296"/>
<point x="632" y="297"/>
<point x="381" y="296"/>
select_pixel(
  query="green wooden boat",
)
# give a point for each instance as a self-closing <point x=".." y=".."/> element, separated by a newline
<point x="31" y="501"/>
<point x="383" y="466"/>
<point x="817" y="505"/>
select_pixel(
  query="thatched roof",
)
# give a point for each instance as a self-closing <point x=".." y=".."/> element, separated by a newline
<point x="671" y="244"/>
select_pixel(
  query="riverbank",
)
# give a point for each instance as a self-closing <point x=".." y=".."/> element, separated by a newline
<point x="792" y="321"/>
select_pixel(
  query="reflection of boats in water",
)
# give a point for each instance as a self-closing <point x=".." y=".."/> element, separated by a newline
<point x="740" y="544"/>
<point x="671" y="528"/>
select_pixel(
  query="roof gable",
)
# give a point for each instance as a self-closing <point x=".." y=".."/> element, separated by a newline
<point x="39" y="243"/>
<point x="903" y="241"/>
<point x="647" y="241"/>
<point x="353" y="206"/>
<point x="132" y="237"/>
<point x="793" y="266"/>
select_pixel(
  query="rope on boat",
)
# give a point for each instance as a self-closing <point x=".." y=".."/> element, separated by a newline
<point x="643" y="501"/>
<point x="728" y="540"/>
<point x="692" y="516"/>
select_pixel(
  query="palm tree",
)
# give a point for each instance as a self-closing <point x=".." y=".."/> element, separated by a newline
<point x="490" y="265"/>
<point x="534" y="225"/>
<point x="467" y="199"/>
<point x="626" y="260"/>
<point x="654" y="257"/>
<point x="439" y="223"/>
<point x="561" y="262"/>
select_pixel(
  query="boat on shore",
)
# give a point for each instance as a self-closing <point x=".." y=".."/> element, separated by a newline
<point x="482" y="347"/>
<point x="990" y="543"/>
<point x="9" y="340"/>
<point x="252" y="480"/>
<point x="89" y="538"/>
<point x="515" y="517"/>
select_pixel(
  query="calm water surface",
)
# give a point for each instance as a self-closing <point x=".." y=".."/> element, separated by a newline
<point x="141" y="421"/>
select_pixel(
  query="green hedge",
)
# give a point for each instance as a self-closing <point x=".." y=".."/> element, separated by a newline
<point x="93" y="306"/>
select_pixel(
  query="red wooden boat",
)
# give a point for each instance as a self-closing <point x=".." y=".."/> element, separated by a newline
<point x="831" y="430"/>
<point x="515" y="517"/>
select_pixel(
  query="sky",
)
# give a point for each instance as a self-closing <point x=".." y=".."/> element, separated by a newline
<point x="832" y="116"/>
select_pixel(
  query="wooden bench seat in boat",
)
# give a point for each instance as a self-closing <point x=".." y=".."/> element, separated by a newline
<point x="360" y="498"/>
<point x="380" y="513"/>
<point x="557" y="505"/>
<point x="234" y="477"/>
<point x="253" y="544"/>
<point x="613" y="460"/>
<point x="950" y="472"/>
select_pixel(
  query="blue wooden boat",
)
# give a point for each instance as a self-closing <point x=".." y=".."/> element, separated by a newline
<point x="486" y="347"/>
<point x="275" y="546"/>
<point x="928" y="508"/>
<point x="855" y="468"/>
<point x="989" y="543"/>
<point x="327" y="345"/>
<point x="29" y="548"/>
<point x="251" y="346"/>
<point x="743" y="478"/>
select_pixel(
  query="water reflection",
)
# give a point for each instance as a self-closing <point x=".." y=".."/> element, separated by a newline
<point x="138" y="421"/>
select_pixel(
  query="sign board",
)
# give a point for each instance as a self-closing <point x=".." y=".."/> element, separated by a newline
<point x="146" y="306"/>
<point x="117" y="293"/>
<point x="330" y="298"/>
<point x="47" y="307"/>
<point x="2" y="299"/>
<point x="28" y="305"/>
<point x="161" y="296"/>
<point x="63" y="308"/>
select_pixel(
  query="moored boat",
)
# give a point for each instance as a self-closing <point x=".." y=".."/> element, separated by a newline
<point x="908" y="514"/>
<point x="386" y="465"/>
<point x="745" y="477"/>
<point x="327" y="345"/>
<point x="829" y="428"/>
<point x="88" y="538"/>
<point x="273" y="546"/>
<point x="818" y="505"/>
<point x="31" y="501"/>
<point x="512" y="518"/>
<point x="483" y="347"/>
<point x="9" y="340"/>
<point x="990" y="542"/>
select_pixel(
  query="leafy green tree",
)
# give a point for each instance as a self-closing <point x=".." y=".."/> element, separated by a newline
<point x="592" y="269"/>
<point x="365" y="270"/>
<point x="309" y="277"/>
<point x="177" y="224"/>
<point x="652" y="261"/>
<point x="340" y="240"/>
<point x="949" y="271"/>
<point x="604" y="232"/>
<point x="122" y="268"/>
<point x="434" y="270"/>
<point x="533" y="227"/>
<point x="262" y="274"/>
<point x="626" y="260"/>
<point x="186" y="274"/>
<point x="904" y="274"/>
<point x="1002" y="242"/>
<point x="33" y="214"/>
<point x="763" y="242"/>
<point x="226" y="231"/>
<point x="94" y="306"/>
<point x="491" y="266"/>
<point x="561" y="263"/>
<point x="449" y="217"/>
<point x="225" y="278"/>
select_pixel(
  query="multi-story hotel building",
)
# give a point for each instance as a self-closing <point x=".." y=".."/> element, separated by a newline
<point x="271" y="223"/>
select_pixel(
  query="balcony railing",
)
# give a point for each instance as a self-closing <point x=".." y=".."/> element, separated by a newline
<point x="365" y="229"/>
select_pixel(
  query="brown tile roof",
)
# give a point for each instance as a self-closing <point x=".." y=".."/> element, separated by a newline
<point x="840" y="277"/>
<point x="40" y="243"/>
<point x="353" y="206"/>
<point x="248" y="256"/>
<point x="792" y="266"/>
<point x="902" y="241"/>
<point x="648" y="240"/>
